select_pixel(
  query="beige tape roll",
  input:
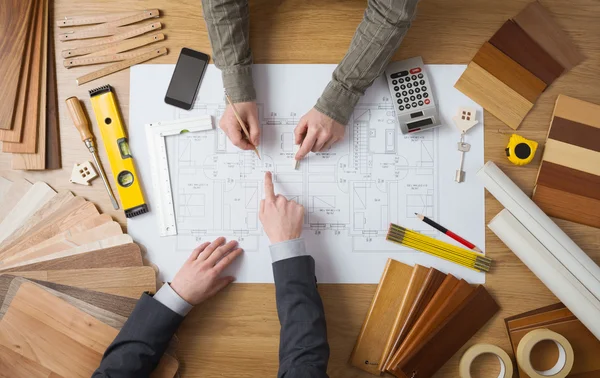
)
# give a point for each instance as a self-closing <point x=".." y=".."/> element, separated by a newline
<point x="506" y="365"/>
<point x="565" y="354"/>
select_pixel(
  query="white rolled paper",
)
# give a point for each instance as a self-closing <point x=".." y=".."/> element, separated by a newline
<point x="541" y="227"/>
<point x="548" y="269"/>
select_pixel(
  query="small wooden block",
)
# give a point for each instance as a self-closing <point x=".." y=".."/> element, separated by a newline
<point x="564" y="205"/>
<point x="83" y="173"/>
<point x="571" y="156"/>
<point x="493" y="95"/>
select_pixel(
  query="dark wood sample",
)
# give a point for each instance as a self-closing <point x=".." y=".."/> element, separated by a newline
<point x="450" y="336"/>
<point x="568" y="206"/>
<point x="514" y="42"/>
<point x="121" y="256"/>
<point x="509" y="72"/>
<point x="569" y="180"/>
<point x="575" y="133"/>
<point x="53" y="160"/>
<point x="15" y="20"/>
<point x="539" y="24"/>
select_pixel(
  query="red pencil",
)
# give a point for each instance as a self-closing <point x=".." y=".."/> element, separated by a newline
<point x="449" y="233"/>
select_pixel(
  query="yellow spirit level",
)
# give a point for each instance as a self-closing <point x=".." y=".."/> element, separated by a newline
<point x="114" y="137"/>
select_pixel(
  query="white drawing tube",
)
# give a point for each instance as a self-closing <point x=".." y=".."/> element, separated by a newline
<point x="542" y="227"/>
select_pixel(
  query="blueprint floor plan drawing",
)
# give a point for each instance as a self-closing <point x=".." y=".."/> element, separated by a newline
<point x="350" y="193"/>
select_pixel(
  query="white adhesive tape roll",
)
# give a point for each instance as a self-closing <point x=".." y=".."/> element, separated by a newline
<point x="565" y="354"/>
<point x="506" y="365"/>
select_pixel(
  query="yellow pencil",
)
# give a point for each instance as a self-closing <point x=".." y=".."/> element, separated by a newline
<point x="244" y="127"/>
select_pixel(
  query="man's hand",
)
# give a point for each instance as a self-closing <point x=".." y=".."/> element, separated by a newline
<point x="230" y="125"/>
<point x="199" y="278"/>
<point x="281" y="219"/>
<point x="316" y="132"/>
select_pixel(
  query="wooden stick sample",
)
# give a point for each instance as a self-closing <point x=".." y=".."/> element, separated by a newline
<point x="575" y="133"/>
<point x="91" y="60"/>
<point x="569" y="206"/>
<point x="53" y="158"/>
<point x="11" y="198"/>
<point x="99" y="32"/>
<point x="92" y="19"/>
<point x="580" y="183"/>
<point x="572" y="156"/>
<point x="139" y="30"/>
<point x="114" y="47"/>
<point x="121" y="65"/>
<point x="37" y="159"/>
<point x="15" y="23"/>
<point x="15" y="365"/>
<point x="577" y="110"/>
<point x="127" y="282"/>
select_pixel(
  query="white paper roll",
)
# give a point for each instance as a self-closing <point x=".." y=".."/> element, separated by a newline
<point x="548" y="269"/>
<point x="542" y="227"/>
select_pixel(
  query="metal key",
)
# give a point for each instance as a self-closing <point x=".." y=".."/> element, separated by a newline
<point x="462" y="147"/>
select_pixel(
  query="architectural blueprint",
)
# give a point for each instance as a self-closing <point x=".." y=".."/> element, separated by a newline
<point x="350" y="193"/>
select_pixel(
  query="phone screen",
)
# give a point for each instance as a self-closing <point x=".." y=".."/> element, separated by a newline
<point x="186" y="78"/>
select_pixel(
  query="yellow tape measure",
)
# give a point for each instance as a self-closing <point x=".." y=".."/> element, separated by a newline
<point x="520" y="151"/>
<point x="113" y="134"/>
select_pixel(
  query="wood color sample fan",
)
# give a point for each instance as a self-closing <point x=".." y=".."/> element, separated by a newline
<point x="568" y="182"/>
<point x="418" y="319"/>
<point x="522" y="58"/>
<point x="75" y="270"/>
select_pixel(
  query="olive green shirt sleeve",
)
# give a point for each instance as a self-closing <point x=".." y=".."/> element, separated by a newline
<point x="376" y="39"/>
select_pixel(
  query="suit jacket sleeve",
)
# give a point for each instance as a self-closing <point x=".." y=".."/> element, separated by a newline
<point x="303" y="347"/>
<point x="138" y="348"/>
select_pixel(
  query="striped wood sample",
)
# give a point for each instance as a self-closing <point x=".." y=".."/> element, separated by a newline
<point x="569" y="180"/>
<point x="577" y="110"/>
<point x="514" y="42"/>
<point x="509" y="72"/>
<point x="493" y="95"/>
<point x="575" y="133"/>
<point x="565" y="205"/>
<point x="10" y="199"/>
<point x="539" y="24"/>
<point x="572" y="156"/>
<point x="53" y="159"/>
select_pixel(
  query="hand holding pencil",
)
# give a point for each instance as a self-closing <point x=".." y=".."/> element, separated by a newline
<point x="240" y="123"/>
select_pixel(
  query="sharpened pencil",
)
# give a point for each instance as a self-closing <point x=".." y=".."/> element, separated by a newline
<point x="448" y="233"/>
<point x="242" y="123"/>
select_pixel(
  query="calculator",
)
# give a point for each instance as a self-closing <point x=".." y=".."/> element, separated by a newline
<point x="412" y="95"/>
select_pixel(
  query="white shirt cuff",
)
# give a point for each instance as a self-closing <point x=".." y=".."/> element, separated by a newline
<point x="287" y="249"/>
<point x="168" y="297"/>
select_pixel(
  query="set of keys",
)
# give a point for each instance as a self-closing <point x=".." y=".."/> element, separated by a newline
<point x="464" y="120"/>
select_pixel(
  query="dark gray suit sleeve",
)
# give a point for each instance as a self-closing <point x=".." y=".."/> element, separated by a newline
<point x="303" y="347"/>
<point x="138" y="348"/>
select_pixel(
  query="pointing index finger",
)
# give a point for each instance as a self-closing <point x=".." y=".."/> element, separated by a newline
<point x="269" y="190"/>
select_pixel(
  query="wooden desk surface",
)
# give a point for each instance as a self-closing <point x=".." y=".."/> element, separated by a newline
<point x="236" y="334"/>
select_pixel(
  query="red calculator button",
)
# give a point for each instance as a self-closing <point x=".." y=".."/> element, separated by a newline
<point x="427" y="101"/>
<point x="415" y="70"/>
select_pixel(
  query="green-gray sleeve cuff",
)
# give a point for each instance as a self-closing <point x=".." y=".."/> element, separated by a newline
<point x="337" y="102"/>
<point x="238" y="83"/>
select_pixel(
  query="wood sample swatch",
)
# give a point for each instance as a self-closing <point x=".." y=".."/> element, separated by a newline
<point x="577" y="110"/>
<point x="380" y="318"/>
<point x="519" y="46"/>
<point x="539" y="24"/>
<point x="509" y="72"/>
<point x="128" y="255"/>
<point x="572" y="156"/>
<point x="28" y="142"/>
<point x="35" y="198"/>
<point x="4" y="187"/>
<point x="53" y="160"/>
<point x="449" y="296"/>
<point x="425" y="292"/>
<point x="13" y="195"/>
<point x="417" y="280"/>
<point x="493" y="95"/>
<point x="35" y="314"/>
<point x="575" y="133"/>
<point x="450" y="336"/>
<point x="14" y="29"/>
<point x="36" y="160"/>
<point x="565" y="205"/>
<point x="569" y="180"/>
<point x="15" y="365"/>
<point x="126" y="282"/>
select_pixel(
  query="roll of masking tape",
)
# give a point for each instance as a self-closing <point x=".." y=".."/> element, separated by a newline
<point x="565" y="354"/>
<point x="506" y="365"/>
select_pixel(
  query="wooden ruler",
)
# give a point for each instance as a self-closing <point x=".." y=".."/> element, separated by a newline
<point x="122" y="65"/>
<point x="110" y="58"/>
<point x="91" y="20"/>
<point x="113" y="48"/>
<point x="141" y="16"/>
<point x="102" y="42"/>
<point x="95" y="33"/>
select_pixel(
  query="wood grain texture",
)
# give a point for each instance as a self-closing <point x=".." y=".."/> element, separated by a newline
<point x="569" y="180"/>
<point x="15" y="18"/>
<point x="572" y="156"/>
<point x="514" y="42"/>
<point x="575" y="133"/>
<point x="417" y="280"/>
<point x="17" y="190"/>
<point x="577" y="110"/>
<point x="45" y="211"/>
<point x="37" y="159"/>
<point x="450" y="336"/>
<point x="568" y="206"/>
<point x="126" y="282"/>
<point x="509" y="72"/>
<point x="36" y="197"/>
<point x="539" y="24"/>
<point x="28" y="142"/>
<point x="53" y="159"/>
<point x="493" y="95"/>
<point x="74" y="341"/>
<point x="4" y="187"/>
<point x="380" y="318"/>
<point x="539" y="319"/>
<point x="15" y="365"/>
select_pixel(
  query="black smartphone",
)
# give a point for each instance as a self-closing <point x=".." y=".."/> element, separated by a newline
<point x="186" y="78"/>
